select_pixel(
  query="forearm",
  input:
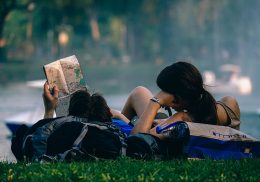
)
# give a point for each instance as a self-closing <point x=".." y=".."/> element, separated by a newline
<point x="48" y="114"/>
<point x="146" y="120"/>
<point x="50" y="100"/>
<point x="119" y="115"/>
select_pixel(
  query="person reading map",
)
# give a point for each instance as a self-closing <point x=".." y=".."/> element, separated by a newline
<point x="67" y="76"/>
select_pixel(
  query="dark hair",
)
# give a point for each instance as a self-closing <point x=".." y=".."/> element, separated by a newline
<point x="80" y="104"/>
<point x="94" y="107"/>
<point x="99" y="110"/>
<point x="185" y="82"/>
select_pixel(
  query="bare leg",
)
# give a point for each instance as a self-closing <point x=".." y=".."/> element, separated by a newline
<point x="136" y="102"/>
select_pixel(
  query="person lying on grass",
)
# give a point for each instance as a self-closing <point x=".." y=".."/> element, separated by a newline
<point x="182" y="89"/>
<point x="82" y="104"/>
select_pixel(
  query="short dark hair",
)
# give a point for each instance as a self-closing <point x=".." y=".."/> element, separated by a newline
<point x="94" y="107"/>
<point x="80" y="103"/>
<point x="99" y="110"/>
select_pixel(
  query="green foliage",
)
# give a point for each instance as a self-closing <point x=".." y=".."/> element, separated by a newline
<point x="17" y="35"/>
<point x="144" y="30"/>
<point x="133" y="170"/>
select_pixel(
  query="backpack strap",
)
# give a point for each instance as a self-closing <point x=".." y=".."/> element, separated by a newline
<point x="76" y="145"/>
<point x="25" y="141"/>
<point x="82" y="134"/>
<point x="123" y="151"/>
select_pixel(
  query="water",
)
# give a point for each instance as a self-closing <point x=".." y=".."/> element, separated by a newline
<point x="17" y="98"/>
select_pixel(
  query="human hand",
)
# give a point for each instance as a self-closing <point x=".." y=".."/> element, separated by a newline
<point x="159" y="121"/>
<point x="165" y="98"/>
<point x="50" y="99"/>
<point x="169" y="100"/>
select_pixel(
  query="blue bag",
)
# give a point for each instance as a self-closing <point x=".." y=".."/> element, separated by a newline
<point x="220" y="142"/>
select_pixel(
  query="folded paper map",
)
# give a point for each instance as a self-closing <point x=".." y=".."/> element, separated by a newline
<point x="66" y="74"/>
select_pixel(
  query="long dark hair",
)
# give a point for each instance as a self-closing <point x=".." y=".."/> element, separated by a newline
<point x="94" y="107"/>
<point x="185" y="82"/>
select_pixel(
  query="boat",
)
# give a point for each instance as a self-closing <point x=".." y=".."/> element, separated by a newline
<point x="36" y="83"/>
<point x="258" y="111"/>
<point x="27" y="118"/>
<point x="230" y="82"/>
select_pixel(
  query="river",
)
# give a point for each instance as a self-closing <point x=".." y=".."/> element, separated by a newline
<point x="17" y="97"/>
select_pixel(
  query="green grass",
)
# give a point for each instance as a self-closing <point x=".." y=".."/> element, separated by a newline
<point x="133" y="170"/>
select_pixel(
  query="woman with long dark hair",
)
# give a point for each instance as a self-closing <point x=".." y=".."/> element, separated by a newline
<point x="182" y="89"/>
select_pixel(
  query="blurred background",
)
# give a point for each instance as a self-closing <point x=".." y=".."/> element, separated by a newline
<point x="121" y="44"/>
<point x="145" y="35"/>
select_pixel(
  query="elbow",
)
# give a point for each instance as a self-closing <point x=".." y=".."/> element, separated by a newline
<point x="138" y="129"/>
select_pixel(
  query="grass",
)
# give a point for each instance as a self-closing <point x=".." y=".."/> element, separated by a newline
<point x="133" y="170"/>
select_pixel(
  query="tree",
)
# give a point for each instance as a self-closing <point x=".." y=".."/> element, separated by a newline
<point x="6" y="6"/>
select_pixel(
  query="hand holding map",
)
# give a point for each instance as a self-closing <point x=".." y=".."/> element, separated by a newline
<point x="66" y="74"/>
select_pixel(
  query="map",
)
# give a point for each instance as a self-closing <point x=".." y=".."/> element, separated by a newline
<point x="66" y="74"/>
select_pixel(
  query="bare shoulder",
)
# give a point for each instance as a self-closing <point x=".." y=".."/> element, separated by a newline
<point x="232" y="103"/>
<point x="229" y="100"/>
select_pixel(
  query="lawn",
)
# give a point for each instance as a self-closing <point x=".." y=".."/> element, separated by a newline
<point x="134" y="170"/>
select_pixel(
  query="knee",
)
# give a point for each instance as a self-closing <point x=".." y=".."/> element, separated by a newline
<point x="139" y="93"/>
<point x="140" y="90"/>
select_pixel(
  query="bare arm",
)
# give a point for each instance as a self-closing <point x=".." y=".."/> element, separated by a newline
<point x="50" y="100"/>
<point x="180" y="116"/>
<point x="147" y="118"/>
<point x="119" y="115"/>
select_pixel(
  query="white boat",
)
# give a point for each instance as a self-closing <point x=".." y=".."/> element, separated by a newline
<point x="231" y="81"/>
<point x="36" y="83"/>
<point x="258" y="111"/>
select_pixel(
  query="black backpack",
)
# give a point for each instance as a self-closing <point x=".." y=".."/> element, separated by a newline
<point x="72" y="139"/>
<point x="146" y="146"/>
